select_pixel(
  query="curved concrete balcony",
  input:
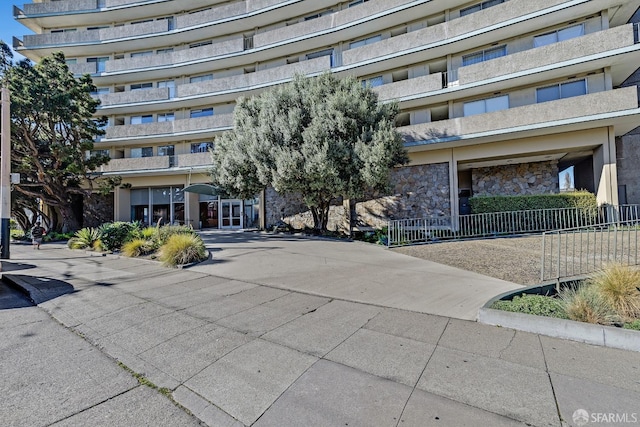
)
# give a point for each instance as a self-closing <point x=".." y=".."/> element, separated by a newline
<point x="134" y="97"/>
<point x="396" y="90"/>
<point x="606" y="41"/>
<point x="214" y="91"/>
<point x="168" y="131"/>
<point x="35" y="41"/>
<point x="330" y="22"/>
<point x="580" y="112"/>
<point x="176" y="58"/>
<point x="180" y="161"/>
<point x="483" y="27"/>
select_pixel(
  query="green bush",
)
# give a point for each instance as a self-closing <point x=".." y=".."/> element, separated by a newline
<point x="577" y="199"/>
<point x="182" y="248"/>
<point x="538" y="305"/>
<point x="54" y="236"/>
<point x="166" y="231"/>
<point x="635" y="325"/>
<point x="17" y="234"/>
<point x="84" y="238"/>
<point x="114" y="235"/>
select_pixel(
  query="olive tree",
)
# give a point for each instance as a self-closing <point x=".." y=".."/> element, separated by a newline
<point x="319" y="137"/>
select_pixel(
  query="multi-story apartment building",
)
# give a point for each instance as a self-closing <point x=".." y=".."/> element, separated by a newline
<point x="496" y="96"/>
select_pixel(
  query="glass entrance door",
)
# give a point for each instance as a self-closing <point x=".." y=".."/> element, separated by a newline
<point x="231" y="213"/>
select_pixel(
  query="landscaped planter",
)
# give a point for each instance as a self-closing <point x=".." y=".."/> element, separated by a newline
<point x="606" y="336"/>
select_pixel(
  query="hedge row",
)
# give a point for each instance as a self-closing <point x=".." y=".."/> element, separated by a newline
<point x="576" y="199"/>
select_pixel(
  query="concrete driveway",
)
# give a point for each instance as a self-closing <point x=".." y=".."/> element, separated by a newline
<point x="351" y="271"/>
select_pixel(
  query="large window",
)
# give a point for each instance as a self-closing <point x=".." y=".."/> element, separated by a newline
<point x="141" y="86"/>
<point x="561" y="90"/>
<point x="166" y="117"/>
<point x="201" y="112"/>
<point x="484" y="55"/>
<point x="203" y="78"/>
<point x="141" y="152"/>
<point x="480" y="6"/>
<point x="559" y="35"/>
<point x="101" y="63"/>
<point x="201" y="147"/>
<point x="486" y="105"/>
<point x="168" y="84"/>
<point x="140" y="54"/>
<point x="166" y="150"/>
<point x="138" y="120"/>
<point x="318" y="54"/>
<point x="365" y="42"/>
<point x="373" y="81"/>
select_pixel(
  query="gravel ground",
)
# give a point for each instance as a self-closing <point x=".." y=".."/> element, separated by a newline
<point x="515" y="259"/>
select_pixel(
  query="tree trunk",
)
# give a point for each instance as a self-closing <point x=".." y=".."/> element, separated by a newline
<point x="69" y="220"/>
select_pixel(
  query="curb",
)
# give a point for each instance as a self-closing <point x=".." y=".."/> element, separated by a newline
<point x="605" y="336"/>
<point x="31" y="292"/>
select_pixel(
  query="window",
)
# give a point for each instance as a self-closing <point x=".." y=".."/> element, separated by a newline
<point x="559" y="35"/>
<point x="165" y="50"/>
<point x="63" y="30"/>
<point x="168" y="84"/>
<point x="166" y="150"/>
<point x="170" y="22"/>
<point x="137" y="120"/>
<point x="478" y="7"/>
<point x="318" y="15"/>
<point x="101" y="63"/>
<point x="97" y="28"/>
<point x="203" y="78"/>
<point x="357" y="2"/>
<point x="201" y="147"/>
<point x="486" y="105"/>
<point x="95" y="153"/>
<point x="201" y="112"/>
<point x="141" y="21"/>
<point x="484" y="55"/>
<point x="142" y="152"/>
<point x="562" y="90"/>
<point x="326" y="52"/>
<point x="198" y="44"/>
<point x="365" y="42"/>
<point x="166" y="117"/>
<point x="141" y="86"/>
<point x="140" y="54"/>
<point x="101" y="91"/>
<point x="373" y="81"/>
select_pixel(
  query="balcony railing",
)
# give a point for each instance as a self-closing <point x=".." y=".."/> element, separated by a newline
<point x="527" y="115"/>
<point x="184" y="161"/>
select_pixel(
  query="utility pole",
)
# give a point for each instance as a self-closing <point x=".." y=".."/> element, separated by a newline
<point x="5" y="175"/>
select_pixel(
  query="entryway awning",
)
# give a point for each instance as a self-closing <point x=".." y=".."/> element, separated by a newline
<point x="206" y="189"/>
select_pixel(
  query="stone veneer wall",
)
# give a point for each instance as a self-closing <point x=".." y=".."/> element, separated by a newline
<point x="98" y="209"/>
<point x="417" y="191"/>
<point x="628" y="159"/>
<point x="513" y="180"/>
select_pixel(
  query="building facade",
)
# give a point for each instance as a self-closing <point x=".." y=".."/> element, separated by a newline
<point x="495" y="97"/>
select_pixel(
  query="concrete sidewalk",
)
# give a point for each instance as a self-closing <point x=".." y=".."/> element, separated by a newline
<point x="234" y="352"/>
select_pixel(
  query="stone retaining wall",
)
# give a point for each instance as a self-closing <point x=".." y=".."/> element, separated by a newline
<point x="418" y="191"/>
<point x="519" y="179"/>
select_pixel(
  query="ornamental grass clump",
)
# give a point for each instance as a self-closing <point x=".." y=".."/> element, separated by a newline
<point x="619" y="286"/>
<point x="585" y="304"/>
<point x="182" y="249"/>
<point x="137" y="247"/>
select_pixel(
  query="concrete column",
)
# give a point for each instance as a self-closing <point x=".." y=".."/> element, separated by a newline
<point x="192" y="209"/>
<point x="605" y="172"/>
<point x="122" y="204"/>
<point x="453" y="189"/>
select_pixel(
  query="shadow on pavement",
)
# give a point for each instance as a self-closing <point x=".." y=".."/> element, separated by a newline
<point x="38" y="289"/>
